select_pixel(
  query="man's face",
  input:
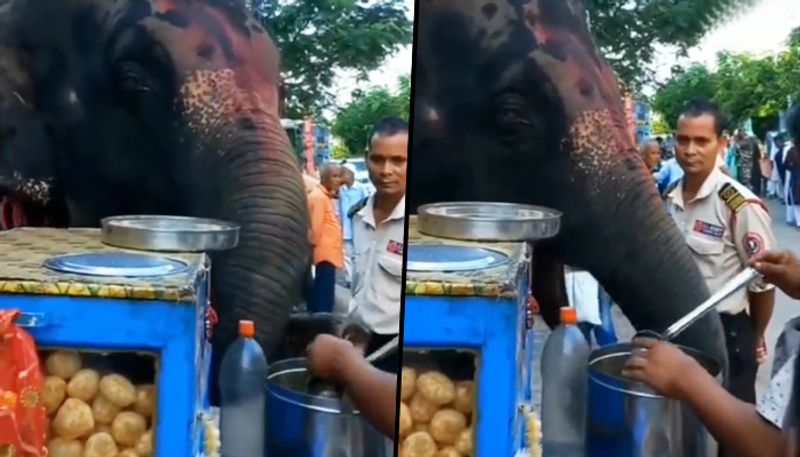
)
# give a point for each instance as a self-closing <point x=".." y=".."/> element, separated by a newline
<point x="697" y="144"/>
<point x="652" y="155"/>
<point x="387" y="161"/>
<point x="349" y="177"/>
<point x="333" y="180"/>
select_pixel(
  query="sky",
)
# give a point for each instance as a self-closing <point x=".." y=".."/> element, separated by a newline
<point x="760" y="29"/>
<point x="757" y="30"/>
<point x="395" y="66"/>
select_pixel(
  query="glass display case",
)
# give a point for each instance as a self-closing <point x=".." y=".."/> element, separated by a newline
<point x="467" y="380"/>
<point x="437" y="409"/>
<point x="99" y="404"/>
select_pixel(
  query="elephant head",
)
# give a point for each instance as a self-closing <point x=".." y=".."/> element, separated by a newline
<point x="513" y="103"/>
<point x="171" y="107"/>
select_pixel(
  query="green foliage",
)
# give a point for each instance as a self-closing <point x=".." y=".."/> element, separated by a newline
<point x="685" y="85"/>
<point x="746" y="87"/>
<point x="629" y="31"/>
<point x="660" y="126"/>
<point x="339" y="151"/>
<point x="320" y="38"/>
<point x="355" y="122"/>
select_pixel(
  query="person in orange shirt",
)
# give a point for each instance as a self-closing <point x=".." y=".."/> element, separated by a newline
<point x="325" y="234"/>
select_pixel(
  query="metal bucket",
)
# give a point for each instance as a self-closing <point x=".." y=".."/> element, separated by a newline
<point x="303" y="425"/>
<point x="627" y="419"/>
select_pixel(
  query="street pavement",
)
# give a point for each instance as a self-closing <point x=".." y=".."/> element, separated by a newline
<point x="785" y="308"/>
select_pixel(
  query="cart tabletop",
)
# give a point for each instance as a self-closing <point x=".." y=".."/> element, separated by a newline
<point x="24" y="251"/>
<point x="494" y="281"/>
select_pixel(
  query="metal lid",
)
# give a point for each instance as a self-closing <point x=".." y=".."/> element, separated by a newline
<point x="169" y="233"/>
<point x="487" y="221"/>
<point x="115" y="264"/>
<point x="443" y="257"/>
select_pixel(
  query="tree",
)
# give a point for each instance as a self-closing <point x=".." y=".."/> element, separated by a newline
<point x="320" y="38"/>
<point x="354" y="123"/>
<point x="746" y="87"/>
<point x="685" y="85"/>
<point x="628" y="32"/>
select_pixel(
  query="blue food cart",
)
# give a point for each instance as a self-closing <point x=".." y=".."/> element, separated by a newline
<point x="467" y="315"/>
<point x="156" y="308"/>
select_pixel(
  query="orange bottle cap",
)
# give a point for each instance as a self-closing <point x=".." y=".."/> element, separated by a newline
<point x="247" y="329"/>
<point x="569" y="315"/>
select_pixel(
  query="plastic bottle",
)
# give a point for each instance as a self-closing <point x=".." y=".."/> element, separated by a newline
<point x="243" y="376"/>
<point x="564" y="372"/>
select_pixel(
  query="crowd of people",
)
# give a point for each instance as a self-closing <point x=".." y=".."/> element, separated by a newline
<point x="358" y="243"/>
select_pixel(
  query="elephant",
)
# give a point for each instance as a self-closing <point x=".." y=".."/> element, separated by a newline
<point x="514" y="103"/>
<point x="160" y="107"/>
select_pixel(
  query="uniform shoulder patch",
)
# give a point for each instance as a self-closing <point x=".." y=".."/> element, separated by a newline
<point x="732" y="197"/>
<point x="357" y="207"/>
<point x="668" y="190"/>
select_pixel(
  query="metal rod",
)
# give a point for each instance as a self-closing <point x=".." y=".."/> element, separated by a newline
<point x="384" y="350"/>
<point x="741" y="280"/>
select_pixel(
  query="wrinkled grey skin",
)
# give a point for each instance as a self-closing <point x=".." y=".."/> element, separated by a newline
<point x="160" y="107"/>
<point x="513" y="103"/>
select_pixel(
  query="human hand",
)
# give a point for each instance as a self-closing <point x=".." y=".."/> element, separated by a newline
<point x="779" y="268"/>
<point x="761" y="350"/>
<point x="358" y="336"/>
<point x="660" y="365"/>
<point x="328" y="354"/>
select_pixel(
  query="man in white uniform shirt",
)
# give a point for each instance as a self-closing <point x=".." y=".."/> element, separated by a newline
<point x="724" y="224"/>
<point x="378" y="240"/>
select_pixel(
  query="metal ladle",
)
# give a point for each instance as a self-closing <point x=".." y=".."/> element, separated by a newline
<point x="737" y="282"/>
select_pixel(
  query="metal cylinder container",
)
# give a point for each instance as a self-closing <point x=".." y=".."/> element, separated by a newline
<point x="628" y="419"/>
<point x="303" y="425"/>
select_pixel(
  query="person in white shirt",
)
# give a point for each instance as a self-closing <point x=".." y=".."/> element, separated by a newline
<point x="378" y="244"/>
<point x="724" y="224"/>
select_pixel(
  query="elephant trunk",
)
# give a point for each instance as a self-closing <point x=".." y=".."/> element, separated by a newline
<point x="645" y="264"/>
<point x="255" y="182"/>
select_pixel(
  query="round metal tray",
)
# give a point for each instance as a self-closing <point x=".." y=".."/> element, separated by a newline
<point x="115" y="264"/>
<point x="486" y="221"/>
<point x="169" y="233"/>
<point x="445" y="258"/>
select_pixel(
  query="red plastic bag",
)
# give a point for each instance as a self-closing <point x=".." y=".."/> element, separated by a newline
<point x="23" y="420"/>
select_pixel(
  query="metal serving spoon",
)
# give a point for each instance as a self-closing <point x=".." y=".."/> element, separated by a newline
<point x="737" y="282"/>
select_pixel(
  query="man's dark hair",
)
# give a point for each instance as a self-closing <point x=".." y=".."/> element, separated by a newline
<point x="793" y="123"/>
<point x="703" y="106"/>
<point x="388" y="126"/>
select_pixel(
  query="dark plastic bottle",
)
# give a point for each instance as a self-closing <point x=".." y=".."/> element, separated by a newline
<point x="243" y="377"/>
<point x="565" y="372"/>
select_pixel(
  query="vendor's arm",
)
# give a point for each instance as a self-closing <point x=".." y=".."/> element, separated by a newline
<point x="372" y="391"/>
<point x="736" y="425"/>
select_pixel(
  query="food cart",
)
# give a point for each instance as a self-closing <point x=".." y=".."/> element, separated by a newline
<point x="112" y="312"/>
<point x="467" y="320"/>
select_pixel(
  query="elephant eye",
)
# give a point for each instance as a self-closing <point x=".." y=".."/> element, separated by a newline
<point x="511" y="117"/>
<point x="132" y="78"/>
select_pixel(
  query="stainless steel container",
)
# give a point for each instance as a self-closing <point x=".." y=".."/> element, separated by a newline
<point x="627" y="419"/>
<point x="302" y="425"/>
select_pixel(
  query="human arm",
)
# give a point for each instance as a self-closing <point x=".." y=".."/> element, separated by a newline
<point x="736" y="425"/>
<point x="316" y="210"/>
<point x="372" y="391"/>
